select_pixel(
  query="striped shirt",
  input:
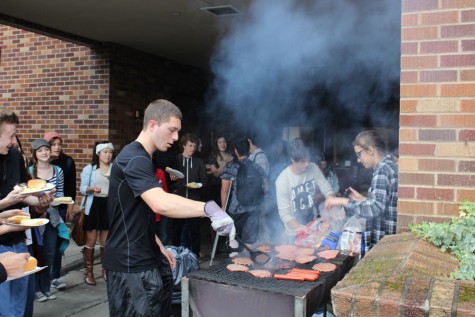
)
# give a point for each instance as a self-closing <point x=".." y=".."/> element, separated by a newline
<point x="380" y="208"/>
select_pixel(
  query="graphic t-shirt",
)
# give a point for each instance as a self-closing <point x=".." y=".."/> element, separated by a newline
<point x="302" y="201"/>
<point x="295" y="195"/>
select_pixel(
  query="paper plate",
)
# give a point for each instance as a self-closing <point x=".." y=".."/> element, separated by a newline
<point x="194" y="185"/>
<point x="38" y="268"/>
<point x="28" y="191"/>
<point x="174" y="172"/>
<point x="43" y="222"/>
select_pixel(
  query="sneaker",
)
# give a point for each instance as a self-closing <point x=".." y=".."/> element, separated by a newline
<point x="49" y="295"/>
<point x="40" y="297"/>
<point x="58" y="283"/>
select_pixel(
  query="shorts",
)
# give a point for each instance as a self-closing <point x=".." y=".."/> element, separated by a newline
<point x="141" y="294"/>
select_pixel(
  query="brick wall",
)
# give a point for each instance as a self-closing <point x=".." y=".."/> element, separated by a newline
<point x="55" y="85"/>
<point x="89" y="93"/>
<point x="138" y="78"/>
<point x="437" y="110"/>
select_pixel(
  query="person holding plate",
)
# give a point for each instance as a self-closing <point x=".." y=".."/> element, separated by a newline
<point x="67" y="164"/>
<point x="11" y="264"/>
<point x="13" y="294"/>
<point x="55" y="229"/>
<point x="187" y="232"/>
<point x="95" y="189"/>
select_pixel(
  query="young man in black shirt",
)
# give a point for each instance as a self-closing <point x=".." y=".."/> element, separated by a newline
<point x="139" y="277"/>
<point x="13" y="294"/>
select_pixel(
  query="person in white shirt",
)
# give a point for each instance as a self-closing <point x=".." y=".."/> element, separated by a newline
<point x="299" y="189"/>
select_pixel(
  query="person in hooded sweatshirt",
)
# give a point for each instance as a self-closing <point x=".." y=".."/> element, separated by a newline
<point x="187" y="232"/>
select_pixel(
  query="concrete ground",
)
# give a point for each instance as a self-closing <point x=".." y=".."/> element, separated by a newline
<point x="81" y="300"/>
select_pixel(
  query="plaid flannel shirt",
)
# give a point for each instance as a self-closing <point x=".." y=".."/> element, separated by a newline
<point x="380" y="208"/>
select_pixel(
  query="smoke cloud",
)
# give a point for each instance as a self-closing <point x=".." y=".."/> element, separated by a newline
<point x="291" y="62"/>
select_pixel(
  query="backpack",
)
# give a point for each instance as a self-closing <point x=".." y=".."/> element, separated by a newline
<point x="249" y="184"/>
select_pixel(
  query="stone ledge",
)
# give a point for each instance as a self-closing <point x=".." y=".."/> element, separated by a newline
<point x="404" y="276"/>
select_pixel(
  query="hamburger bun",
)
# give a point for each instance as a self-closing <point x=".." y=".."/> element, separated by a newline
<point x="64" y="199"/>
<point x="31" y="264"/>
<point x="32" y="222"/>
<point x="17" y="219"/>
<point x="36" y="183"/>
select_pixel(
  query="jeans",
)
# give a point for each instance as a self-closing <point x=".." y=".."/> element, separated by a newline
<point x="13" y="293"/>
<point x="50" y="239"/>
<point x="56" y="271"/>
<point x="31" y="290"/>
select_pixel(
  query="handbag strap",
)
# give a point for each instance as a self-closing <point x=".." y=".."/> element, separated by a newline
<point x="83" y="203"/>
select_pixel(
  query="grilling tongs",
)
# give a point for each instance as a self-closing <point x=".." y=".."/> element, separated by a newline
<point x="257" y="256"/>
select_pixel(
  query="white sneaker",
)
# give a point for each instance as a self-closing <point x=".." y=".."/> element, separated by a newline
<point x="58" y="283"/>
<point x="50" y="295"/>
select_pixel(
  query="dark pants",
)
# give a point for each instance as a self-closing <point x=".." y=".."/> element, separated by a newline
<point x="247" y="226"/>
<point x="190" y="235"/>
<point x="50" y="240"/>
<point x="161" y="230"/>
<point x="143" y="294"/>
<point x="57" y="263"/>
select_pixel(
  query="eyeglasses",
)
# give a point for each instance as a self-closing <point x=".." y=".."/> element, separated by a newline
<point x="358" y="154"/>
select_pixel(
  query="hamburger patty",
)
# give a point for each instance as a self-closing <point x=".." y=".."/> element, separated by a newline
<point x="242" y="261"/>
<point x="237" y="268"/>
<point x="328" y="254"/>
<point x="324" y="267"/>
<point x="305" y="251"/>
<point x="261" y="273"/>
<point x="302" y="259"/>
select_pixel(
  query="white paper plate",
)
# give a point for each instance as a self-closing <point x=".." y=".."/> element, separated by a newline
<point x="43" y="222"/>
<point x="38" y="268"/>
<point x="174" y="172"/>
<point x="196" y="185"/>
<point x="28" y="191"/>
<point x="57" y="203"/>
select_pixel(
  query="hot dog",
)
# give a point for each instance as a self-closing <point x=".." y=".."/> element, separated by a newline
<point x="305" y="271"/>
<point x="289" y="277"/>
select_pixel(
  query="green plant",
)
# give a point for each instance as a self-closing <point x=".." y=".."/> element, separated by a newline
<point x="456" y="236"/>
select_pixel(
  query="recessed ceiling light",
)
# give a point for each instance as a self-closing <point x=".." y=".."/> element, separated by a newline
<point x="222" y="10"/>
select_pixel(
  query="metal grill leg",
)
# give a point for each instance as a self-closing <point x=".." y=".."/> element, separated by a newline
<point x="213" y="252"/>
<point x="300" y="307"/>
<point x="185" y="298"/>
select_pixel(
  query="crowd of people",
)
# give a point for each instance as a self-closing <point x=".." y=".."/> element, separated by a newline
<point x="134" y="206"/>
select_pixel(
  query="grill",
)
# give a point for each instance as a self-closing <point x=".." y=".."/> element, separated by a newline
<point x="219" y="292"/>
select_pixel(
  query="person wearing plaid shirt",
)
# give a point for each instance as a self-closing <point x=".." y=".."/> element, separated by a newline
<point x="380" y="207"/>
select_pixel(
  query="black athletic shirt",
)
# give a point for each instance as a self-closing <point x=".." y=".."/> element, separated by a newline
<point x="12" y="172"/>
<point x="130" y="244"/>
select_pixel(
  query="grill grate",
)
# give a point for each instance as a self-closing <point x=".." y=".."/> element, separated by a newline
<point x="218" y="273"/>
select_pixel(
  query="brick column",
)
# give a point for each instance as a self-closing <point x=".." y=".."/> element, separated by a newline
<point x="437" y="118"/>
